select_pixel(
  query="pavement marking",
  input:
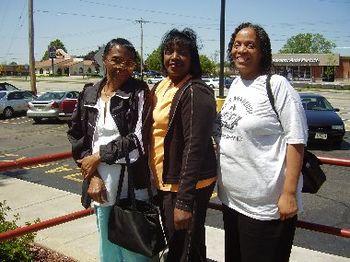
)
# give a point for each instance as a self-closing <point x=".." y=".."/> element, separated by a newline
<point x="38" y="166"/>
<point x="14" y="121"/>
<point x="59" y="169"/>
<point x="10" y="154"/>
<point x="74" y="177"/>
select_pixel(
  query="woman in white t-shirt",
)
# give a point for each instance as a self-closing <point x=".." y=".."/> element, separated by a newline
<point x="260" y="154"/>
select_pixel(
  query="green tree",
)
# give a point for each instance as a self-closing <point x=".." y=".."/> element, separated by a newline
<point x="55" y="43"/>
<point x="153" y="61"/>
<point x="308" y="43"/>
<point x="208" y="66"/>
<point x="91" y="55"/>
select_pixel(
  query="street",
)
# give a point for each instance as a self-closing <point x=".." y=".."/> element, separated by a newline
<point x="21" y="137"/>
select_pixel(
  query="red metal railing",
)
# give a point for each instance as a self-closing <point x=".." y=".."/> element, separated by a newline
<point x="44" y="224"/>
<point x="343" y="232"/>
<point x="28" y="161"/>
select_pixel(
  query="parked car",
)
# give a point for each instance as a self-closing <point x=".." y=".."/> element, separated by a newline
<point x="54" y="105"/>
<point x="4" y="86"/>
<point x="324" y="124"/>
<point x="12" y="102"/>
<point x="211" y="82"/>
<point x="228" y="82"/>
<point x="155" y="79"/>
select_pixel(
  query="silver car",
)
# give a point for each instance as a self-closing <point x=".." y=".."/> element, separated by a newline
<point x="54" y="105"/>
<point x="12" y="102"/>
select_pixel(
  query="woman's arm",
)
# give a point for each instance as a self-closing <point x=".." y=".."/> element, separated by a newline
<point x="75" y="133"/>
<point x="198" y="113"/>
<point x="287" y="203"/>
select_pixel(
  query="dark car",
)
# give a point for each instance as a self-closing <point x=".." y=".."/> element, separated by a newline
<point x="228" y="82"/>
<point x="324" y="124"/>
<point x="4" y="86"/>
<point x="54" y="105"/>
<point x="12" y="102"/>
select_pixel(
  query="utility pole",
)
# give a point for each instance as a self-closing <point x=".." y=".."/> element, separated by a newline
<point x="31" y="47"/>
<point x="141" y="22"/>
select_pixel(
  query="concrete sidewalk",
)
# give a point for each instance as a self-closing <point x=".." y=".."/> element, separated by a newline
<point x="78" y="238"/>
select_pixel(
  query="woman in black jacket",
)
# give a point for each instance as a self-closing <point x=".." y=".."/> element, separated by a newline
<point x="182" y="157"/>
<point x="106" y="123"/>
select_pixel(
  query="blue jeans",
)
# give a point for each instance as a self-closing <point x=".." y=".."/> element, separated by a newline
<point x="110" y="252"/>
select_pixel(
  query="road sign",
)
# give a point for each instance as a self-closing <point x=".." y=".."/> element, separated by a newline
<point x="52" y="52"/>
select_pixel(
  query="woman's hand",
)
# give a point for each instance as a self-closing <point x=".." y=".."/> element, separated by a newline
<point x="89" y="165"/>
<point x="97" y="189"/>
<point x="287" y="205"/>
<point x="182" y="219"/>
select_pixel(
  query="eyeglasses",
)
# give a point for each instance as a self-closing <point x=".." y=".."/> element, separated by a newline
<point x="120" y="64"/>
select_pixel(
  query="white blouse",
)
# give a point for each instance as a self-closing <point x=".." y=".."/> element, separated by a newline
<point x="106" y="130"/>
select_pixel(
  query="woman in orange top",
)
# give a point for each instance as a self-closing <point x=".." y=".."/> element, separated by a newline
<point x="182" y="157"/>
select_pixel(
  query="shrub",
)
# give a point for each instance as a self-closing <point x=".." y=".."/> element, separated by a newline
<point x="15" y="249"/>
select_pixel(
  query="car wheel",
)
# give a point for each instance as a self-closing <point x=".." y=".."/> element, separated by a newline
<point x="8" y="112"/>
<point x="37" y="119"/>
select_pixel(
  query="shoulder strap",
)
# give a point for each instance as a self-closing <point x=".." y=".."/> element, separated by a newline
<point x="270" y="95"/>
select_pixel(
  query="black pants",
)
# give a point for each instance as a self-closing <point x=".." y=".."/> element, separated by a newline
<point x="186" y="245"/>
<point x="251" y="240"/>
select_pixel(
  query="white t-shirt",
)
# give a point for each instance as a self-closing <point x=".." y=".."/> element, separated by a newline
<point x="106" y="131"/>
<point x="252" y="144"/>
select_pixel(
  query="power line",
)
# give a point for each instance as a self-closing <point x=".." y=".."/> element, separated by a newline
<point x="14" y="32"/>
<point x="150" y="11"/>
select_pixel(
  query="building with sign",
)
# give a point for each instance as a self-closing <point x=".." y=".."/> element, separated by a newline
<point x="67" y="67"/>
<point x="61" y="63"/>
<point x="312" y="67"/>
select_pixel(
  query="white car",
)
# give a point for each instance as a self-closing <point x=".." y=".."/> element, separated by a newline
<point x="155" y="79"/>
<point x="12" y="102"/>
<point x="211" y="82"/>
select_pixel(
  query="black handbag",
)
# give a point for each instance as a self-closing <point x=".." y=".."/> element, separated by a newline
<point x="135" y="224"/>
<point x="313" y="175"/>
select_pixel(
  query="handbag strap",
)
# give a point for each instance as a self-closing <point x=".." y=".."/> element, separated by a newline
<point x="139" y="148"/>
<point x="271" y="97"/>
<point x="131" y="185"/>
<point x="120" y="183"/>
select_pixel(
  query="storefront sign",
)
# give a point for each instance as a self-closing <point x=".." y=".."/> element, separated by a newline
<point x="296" y="60"/>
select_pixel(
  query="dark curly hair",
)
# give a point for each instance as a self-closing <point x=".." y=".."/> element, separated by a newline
<point x="121" y="42"/>
<point x="186" y="38"/>
<point x="265" y="46"/>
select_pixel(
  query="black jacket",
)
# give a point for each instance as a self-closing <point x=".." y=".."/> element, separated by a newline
<point x="188" y="149"/>
<point x="125" y="114"/>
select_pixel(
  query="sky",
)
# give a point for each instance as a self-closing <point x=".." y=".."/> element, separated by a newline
<point x="85" y="25"/>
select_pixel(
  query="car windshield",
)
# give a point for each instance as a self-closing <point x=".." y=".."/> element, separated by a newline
<point x="2" y="95"/>
<point x="51" y="96"/>
<point x="316" y="104"/>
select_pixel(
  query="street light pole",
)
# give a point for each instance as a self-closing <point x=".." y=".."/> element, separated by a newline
<point x="31" y="47"/>
<point x="141" y="22"/>
<point x="221" y="98"/>
<point x="222" y="49"/>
